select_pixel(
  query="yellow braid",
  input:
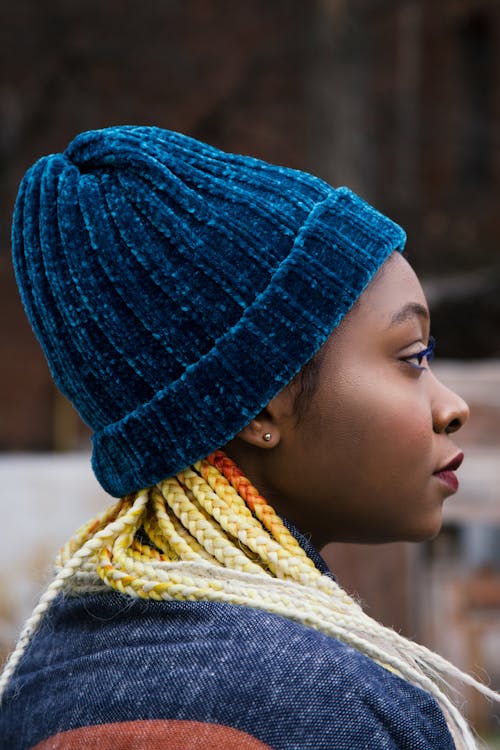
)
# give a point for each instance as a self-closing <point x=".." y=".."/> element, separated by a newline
<point x="207" y="534"/>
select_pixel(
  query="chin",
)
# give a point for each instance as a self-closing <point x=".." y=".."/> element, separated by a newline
<point x="425" y="532"/>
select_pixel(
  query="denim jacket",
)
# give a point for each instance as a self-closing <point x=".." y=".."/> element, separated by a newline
<point x="107" y="671"/>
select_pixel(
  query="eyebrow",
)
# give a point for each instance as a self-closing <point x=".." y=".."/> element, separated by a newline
<point x="410" y="310"/>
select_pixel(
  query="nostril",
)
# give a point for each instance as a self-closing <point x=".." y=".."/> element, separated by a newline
<point x="453" y="426"/>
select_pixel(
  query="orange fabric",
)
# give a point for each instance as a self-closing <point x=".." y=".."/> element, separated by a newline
<point x="153" y="735"/>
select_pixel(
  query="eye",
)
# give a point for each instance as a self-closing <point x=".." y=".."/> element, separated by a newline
<point x="415" y="360"/>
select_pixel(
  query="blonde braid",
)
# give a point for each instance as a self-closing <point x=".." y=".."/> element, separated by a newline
<point x="251" y="500"/>
<point x="207" y="534"/>
<point x="246" y="529"/>
<point x="202" y="527"/>
<point x="169" y="534"/>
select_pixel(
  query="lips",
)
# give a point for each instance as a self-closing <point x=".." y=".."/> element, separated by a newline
<point x="453" y="465"/>
<point x="446" y="473"/>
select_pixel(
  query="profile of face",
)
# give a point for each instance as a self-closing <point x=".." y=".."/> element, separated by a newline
<point x="371" y="459"/>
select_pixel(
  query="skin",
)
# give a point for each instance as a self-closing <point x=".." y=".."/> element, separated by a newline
<point x="360" y="463"/>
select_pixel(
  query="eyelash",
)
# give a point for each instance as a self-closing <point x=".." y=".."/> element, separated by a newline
<point x="427" y="353"/>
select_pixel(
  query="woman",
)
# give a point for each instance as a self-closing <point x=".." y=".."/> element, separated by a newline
<point x="189" y="301"/>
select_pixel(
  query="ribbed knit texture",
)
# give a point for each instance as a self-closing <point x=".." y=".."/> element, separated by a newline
<point x="175" y="288"/>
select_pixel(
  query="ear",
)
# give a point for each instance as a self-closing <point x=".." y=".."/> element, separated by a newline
<point x="260" y="432"/>
<point x="266" y="430"/>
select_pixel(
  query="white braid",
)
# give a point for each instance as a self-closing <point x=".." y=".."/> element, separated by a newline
<point x="65" y="574"/>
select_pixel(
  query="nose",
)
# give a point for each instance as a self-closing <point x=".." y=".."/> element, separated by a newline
<point x="449" y="411"/>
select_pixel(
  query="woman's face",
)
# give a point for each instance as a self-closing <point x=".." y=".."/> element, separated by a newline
<point x="363" y="462"/>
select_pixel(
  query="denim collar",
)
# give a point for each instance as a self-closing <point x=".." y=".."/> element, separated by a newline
<point x="308" y="548"/>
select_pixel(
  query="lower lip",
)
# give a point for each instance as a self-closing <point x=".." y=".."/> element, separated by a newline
<point x="449" y="478"/>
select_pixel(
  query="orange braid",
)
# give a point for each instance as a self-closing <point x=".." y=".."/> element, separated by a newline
<point x="254" y="500"/>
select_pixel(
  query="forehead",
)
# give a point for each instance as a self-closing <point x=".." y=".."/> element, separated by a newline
<point x="394" y="293"/>
<point x="394" y="296"/>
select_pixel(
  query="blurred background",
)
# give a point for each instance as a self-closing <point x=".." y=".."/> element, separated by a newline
<point x="400" y="100"/>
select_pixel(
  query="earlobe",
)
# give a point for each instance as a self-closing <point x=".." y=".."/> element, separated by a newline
<point x="267" y="428"/>
<point x="261" y="432"/>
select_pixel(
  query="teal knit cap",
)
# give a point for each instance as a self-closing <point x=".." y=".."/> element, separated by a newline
<point x="175" y="289"/>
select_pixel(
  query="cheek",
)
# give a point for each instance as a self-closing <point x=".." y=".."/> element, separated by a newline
<point x="378" y="427"/>
<point x="399" y="444"/>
